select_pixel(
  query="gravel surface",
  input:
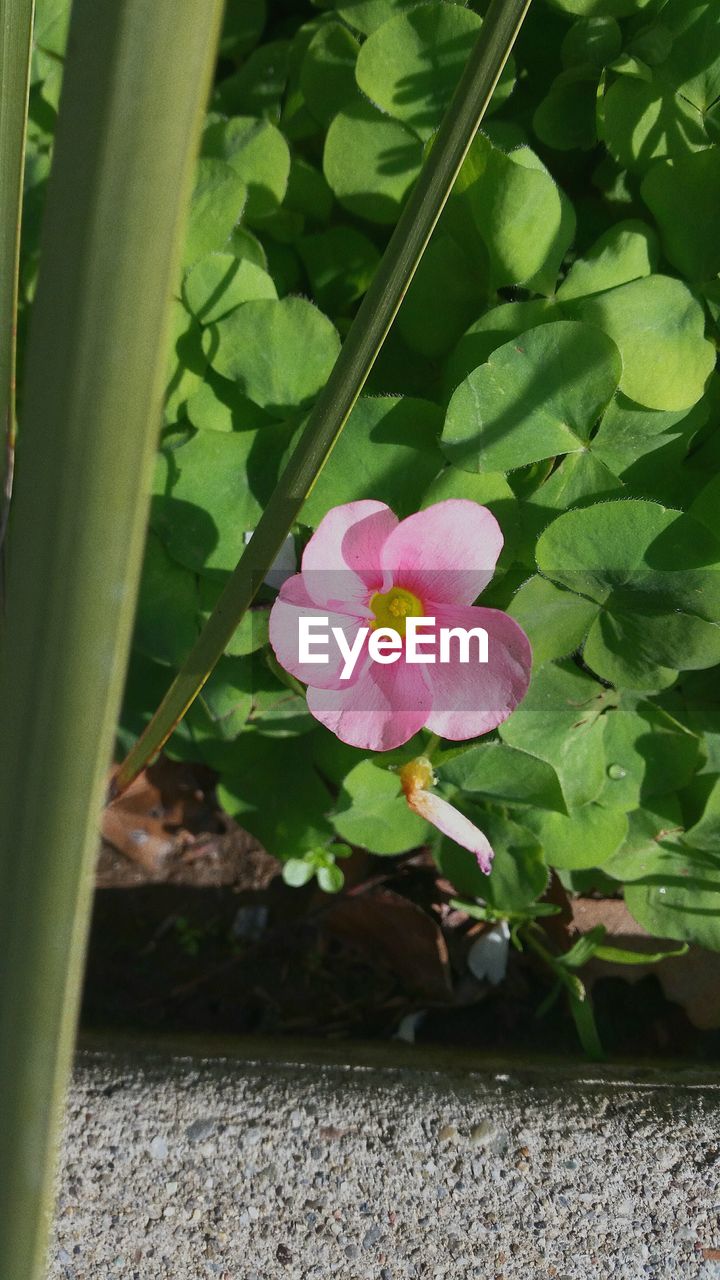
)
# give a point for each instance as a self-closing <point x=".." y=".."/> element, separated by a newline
<point x="253" y="1171"/>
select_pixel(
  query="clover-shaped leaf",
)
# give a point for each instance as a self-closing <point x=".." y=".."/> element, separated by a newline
<point x="280" y="353"/>
<point x="658" y="325"/>
<point x="537" y="396"/>
<point x="653" y="573"/>
<point x="411" y="64"/>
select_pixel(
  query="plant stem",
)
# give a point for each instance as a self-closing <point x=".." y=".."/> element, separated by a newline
<point x="136" y="82"/>
<point x="16" y="24"/>
<point x="334" y="404"/>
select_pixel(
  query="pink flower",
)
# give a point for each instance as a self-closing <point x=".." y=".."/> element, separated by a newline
<point x="364" y="570"/>
<point x="415" y="778"/>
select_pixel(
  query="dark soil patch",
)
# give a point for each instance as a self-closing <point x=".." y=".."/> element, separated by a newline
<point x="212" y="941"/>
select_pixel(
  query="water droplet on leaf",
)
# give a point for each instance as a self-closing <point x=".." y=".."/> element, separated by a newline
<point x="616" y="772"/>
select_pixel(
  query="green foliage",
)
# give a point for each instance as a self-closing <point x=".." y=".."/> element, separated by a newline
<point x="554" y="359"/>
<point x="538" y="396"/>
<point x="372" y="812"/>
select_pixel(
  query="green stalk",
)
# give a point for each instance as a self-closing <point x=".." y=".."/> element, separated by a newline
<point x="334" y="404"/>
<point x="16" y="23"/>
<point x="136" y="83"/>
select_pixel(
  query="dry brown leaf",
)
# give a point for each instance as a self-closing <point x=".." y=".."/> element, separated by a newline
<point x="158" y="814"/>
<point x="405" y="938"/>
<point x="692" y="980"/>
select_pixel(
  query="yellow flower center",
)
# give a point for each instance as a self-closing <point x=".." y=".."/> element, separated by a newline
<point x="392" y="607"/>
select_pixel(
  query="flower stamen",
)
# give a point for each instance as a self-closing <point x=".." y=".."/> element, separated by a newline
<point x="391" y="608"/>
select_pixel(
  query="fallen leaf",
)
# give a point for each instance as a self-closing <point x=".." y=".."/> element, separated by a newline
<point x="391" y="928"/>
<point x="159" y="813"/>
<point x="692" y="980"/>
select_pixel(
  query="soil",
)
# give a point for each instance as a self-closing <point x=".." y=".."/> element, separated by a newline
<point x="206" y="937"/>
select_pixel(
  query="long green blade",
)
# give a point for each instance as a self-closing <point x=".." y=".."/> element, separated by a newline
<point x="334" y="404"/>
<point x="16" y="20"/>
<point x="136" y="82"/>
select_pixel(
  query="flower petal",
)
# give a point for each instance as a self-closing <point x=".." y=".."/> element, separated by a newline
<point x="443" y="815"/>
<point x="469" y="698"/>
<point x="341" y="562"/>
<point x="384" y="707"/>
<point x="292" y="603"/>
<point x="445" y="554"/>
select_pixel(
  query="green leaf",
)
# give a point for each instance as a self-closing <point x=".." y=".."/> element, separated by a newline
<point x="204" y="499"/>
<point x="372" y="812"/>
<point x="692" y="65"/>
<point x="218" y="405"/>
<point x="643" y="122"/>
<point x="683" y="195"/>
<point x="560" y="721"/>
<point x="166" y="624"/>
<point x="410" y="65"/>
<point x="592" y="41"/>
<point x="658" y="326"/>
<point x="579" y="479"/>
<point x="584" y="949"/>
<point x="626" y="251"/>
<point x="442" y="299"/>
<point x="679" y="896"/>
<point x="327" y="74"/>
<point x="705" y="833"/>
<point x="629" y="431"/>
<point x="652" y="572"/>
<point x="279" y="353"/>
<point x="275" y="793"/>
<point x="308" y="193"/>
<point x="259" y="154"/>
<point x="252" y="634"/>
<point x="491" y="331"/>
<point x="648" y="753"/>
<point x="499" y="772"/>
<point x="537" y="396"/>
<point x="520" y="213"/>
<point x="388" y="452"/>
<point x="297" y="871"/>
<point x="257" y="87"/>
<point x="220" y="282"/>
<point x="278" y="711"/>
<point x="187" y="364"/>
<point x="16" y="30"/>
<point x="223" y="707"/>
<point x="601" y="8"/>
<point x="340" y="263"/>
<point x="555" y="620"/>
<point x="330" y="879"/>
<point x="135" y="81"/>
<point x="518" y="874"/>
<point x="585" y="838"/>
<point x="584" y="1018"/>
<point x="217" y="204"/>
<point x="242" y="27"/>
<point x="370" y="162"/>
<point x="565" y="119"/>
<point x="617" y="955"/>
<point x="367" y="15"/>
<point x="706" y="507"/>
<point x="647" y="828"/>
